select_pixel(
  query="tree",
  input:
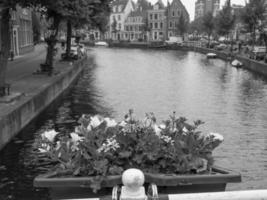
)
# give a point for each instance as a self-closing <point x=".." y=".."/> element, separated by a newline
<point x="36" y="27"/>
<point x="182" y="25"/>
<point x="208" y="25"/>
<point x="114" y="26"/>
<point x="94" y="14"/>
<point x="252" y="16"/>
<point x="225" y="20"/>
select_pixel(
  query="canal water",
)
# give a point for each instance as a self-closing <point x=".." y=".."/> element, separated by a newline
<point x="231" y="101"/>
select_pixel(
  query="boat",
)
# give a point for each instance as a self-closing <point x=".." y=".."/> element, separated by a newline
<point x="211" y="55"/>
<point x="236" y="63"/>
<point x="101" y="43"/>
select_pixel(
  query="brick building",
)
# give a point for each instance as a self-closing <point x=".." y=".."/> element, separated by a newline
<point x="21" y="31"/>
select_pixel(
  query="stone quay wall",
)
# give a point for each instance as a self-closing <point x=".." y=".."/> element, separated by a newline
<point x="249" y="64"/>
<point x="27" y="108"/>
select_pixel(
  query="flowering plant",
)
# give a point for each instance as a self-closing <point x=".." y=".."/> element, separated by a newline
<point x="100" y="146"/>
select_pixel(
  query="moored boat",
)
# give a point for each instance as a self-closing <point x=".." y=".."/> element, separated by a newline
<point x="236" y="63"/>
<point x="211" y="55"/>
<point x="101" y="43"/>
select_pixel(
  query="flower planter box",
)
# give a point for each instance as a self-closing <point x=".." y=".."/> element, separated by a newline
<point x="78" y="187"/>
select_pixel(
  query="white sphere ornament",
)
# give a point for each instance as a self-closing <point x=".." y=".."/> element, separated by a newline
<point x="133" y="178"/>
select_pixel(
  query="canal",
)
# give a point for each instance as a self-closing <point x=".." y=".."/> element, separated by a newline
<point x="231" y="101"/>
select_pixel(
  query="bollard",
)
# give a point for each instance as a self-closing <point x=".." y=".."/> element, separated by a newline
<point x="133" y="189"/>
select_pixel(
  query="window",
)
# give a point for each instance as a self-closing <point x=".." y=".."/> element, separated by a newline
<point x="173" y="13"/>
<point x="156" y="16"/>
<point x="151" y="25"/>
<point x="25" y="32"/>
<point x="114" y="9"/>
<point x="155" y="35"/>
<point x="119" y="17"/>
<point x="151" y="16"/>
<point x="119" y="26"/>
<point x="160" y="33"/>
<point x="161" y="25"/>
<point x="156" y="25"/>
<point x="170" y="24"/>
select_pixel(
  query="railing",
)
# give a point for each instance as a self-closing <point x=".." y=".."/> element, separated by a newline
<point x="233" y="195"/>
<point x="133" y="189"/>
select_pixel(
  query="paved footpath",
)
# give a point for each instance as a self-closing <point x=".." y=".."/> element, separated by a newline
<point x="23" y="81"/>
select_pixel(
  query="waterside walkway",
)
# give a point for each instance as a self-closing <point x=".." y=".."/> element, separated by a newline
<point x="31" y="93"/>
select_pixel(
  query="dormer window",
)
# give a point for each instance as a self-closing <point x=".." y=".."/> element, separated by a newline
<point x="119" y="8"/>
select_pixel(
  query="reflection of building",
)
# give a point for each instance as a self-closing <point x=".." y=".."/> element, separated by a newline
<point x="120" y="11"/>
<point x="157" y="22"/>
<point x="204" y="6"/>
<point x="21" y="31"/>
<point x="136" y="22"/>
<point x="174" y="11"/>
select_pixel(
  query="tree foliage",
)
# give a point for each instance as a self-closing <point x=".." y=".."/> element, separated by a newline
<point x="208" y="24"/>
<point x="225" y="20"/>
<point x="182" y="25"/>
<point x="253" y="16"/>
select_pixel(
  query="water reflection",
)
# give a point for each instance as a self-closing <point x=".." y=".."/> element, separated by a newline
<point x="231" y="101"/>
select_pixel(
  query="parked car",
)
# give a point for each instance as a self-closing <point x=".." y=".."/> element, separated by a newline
<point x="258" y="53"/>
<point x="76" y="51"/>
<point x="220" y="47"/>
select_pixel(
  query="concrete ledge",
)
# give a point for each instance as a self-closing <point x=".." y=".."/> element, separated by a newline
<point x="13" y="118"/>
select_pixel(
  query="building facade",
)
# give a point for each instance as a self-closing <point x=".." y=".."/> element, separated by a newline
<point x="157" y="22"/>
<point x="21" y="31"/>
<point x="204" y="6"/>
<point x="119" y="13"/>
<point x="174" y="11"/>
<point x="136" y="23"/>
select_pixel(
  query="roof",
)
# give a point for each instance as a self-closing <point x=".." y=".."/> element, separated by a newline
<point x="123" y="3"/>
<point x="160" y="3"/>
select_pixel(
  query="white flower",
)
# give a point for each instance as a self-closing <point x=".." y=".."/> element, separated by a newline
<point x="95" y="121"/>
<point x="44" y="148"/>
<point x="167" y="139"/>
<point x="216" y="136"/>
<point x="49" y="135"/>
<point x="110" y="122"/>
<point x="58" y="145"/>
<point x="185" y="130"/>
<point x="157" y="129"/>
<point x="122" y="123"/>
<point x="75" y="137"/>
<point x="110" y="144"/>
<point x="162" y="126"/>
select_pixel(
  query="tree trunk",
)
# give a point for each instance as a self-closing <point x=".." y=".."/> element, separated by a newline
<point x="209" y="40"/>
<point x="5" y="47"/>
<point x="69" y="33"/>
<point x="51" y="43"/>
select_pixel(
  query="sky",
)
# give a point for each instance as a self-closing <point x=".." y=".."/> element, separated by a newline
<point x="190" y="5"/>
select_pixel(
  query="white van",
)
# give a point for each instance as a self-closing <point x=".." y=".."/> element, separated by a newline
<point x="174" y="40"/>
